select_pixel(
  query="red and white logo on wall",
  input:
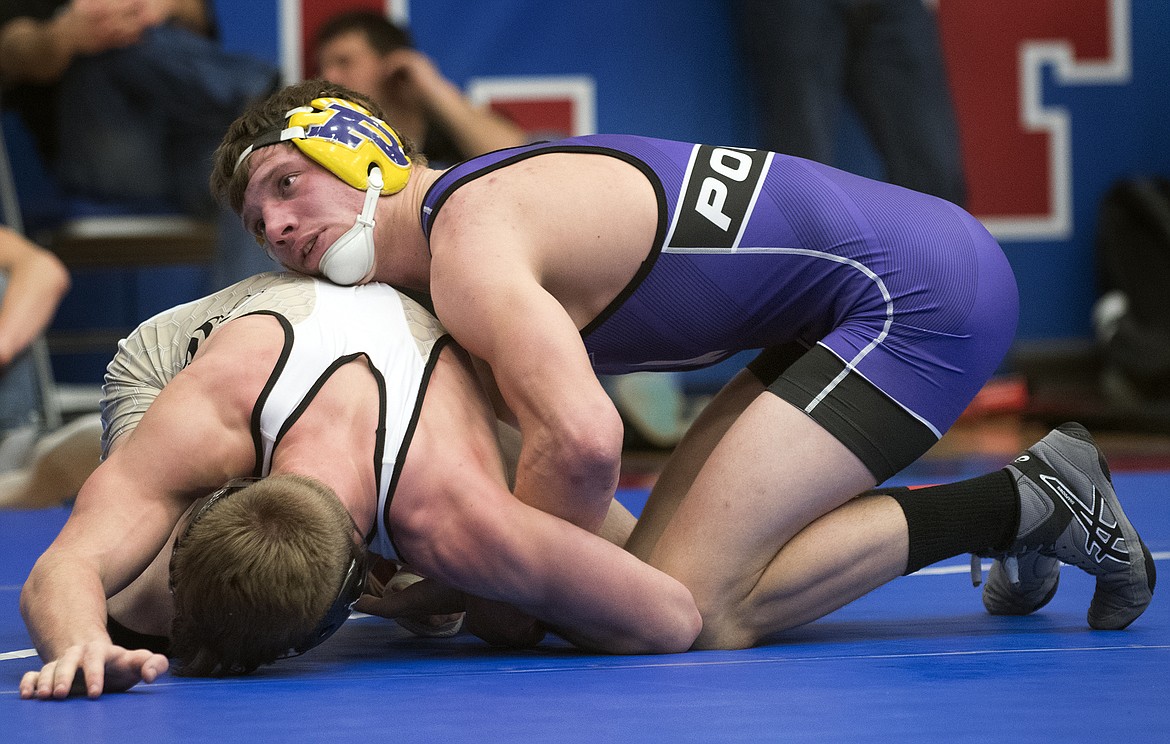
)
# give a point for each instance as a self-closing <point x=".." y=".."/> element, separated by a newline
<point x="1008" y="62"/>
<point x="547" y="107"/>
<point x="1016" y="146"/>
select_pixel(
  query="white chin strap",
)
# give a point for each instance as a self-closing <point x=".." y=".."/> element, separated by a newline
<point x="351" y="257"/>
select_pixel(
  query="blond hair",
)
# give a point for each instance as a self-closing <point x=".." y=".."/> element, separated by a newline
<point x="256" y="573"/>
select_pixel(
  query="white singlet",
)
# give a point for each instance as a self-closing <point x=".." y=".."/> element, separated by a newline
<point x="325" y="326"/>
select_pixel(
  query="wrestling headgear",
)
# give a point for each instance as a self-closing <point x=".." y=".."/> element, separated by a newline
<point x="360" y="149"/>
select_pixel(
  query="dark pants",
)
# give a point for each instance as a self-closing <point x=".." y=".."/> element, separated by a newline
<point x="805" y="58"/>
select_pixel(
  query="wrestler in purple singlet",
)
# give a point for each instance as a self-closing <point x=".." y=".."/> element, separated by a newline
<point x="888" y="289"/>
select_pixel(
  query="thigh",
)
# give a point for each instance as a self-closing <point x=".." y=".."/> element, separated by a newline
<point x="689" y="457"/>
<point x="774" y="472"/>
<point x="882" y="433"/>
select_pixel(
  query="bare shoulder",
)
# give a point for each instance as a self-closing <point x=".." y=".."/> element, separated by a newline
<point x="574" y="225"/>
<point x="201" y="420"/>
<point x="244" y="350"/>
<point x="557" y="184"/>
<point x="456" y="432"/>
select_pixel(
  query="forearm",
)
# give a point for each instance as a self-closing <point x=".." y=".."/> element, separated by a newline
<point x="570" y="456"/>
<point x="63" y="605"/>
<point x="35" y="288"/>
<point x="650" y="614"/>
<point x="476" y="130"/>
<point x="568" y="482"/>
<point x="590" y="591"/>
<point x="604" y="599"/>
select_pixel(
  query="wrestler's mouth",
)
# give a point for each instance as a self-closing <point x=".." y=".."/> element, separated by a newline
<point x="311" y="258"/>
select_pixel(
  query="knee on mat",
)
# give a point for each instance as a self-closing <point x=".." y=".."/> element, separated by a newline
<point x="727" y="622"/>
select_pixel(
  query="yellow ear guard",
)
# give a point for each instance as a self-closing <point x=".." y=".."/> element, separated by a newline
<point x="345" y="139"/>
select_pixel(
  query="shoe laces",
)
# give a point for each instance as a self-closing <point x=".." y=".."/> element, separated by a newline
<point x="1011" y="564"/>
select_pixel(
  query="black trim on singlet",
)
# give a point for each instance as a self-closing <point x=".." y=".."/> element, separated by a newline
<point x="311" y="393"/>
<point x="442" y="343"/>
<point x="380" y="432"/>
<point x="875" y="427"/>
<point x="428" y="220"/>
<point x="655" y="249"/>
<point x="379" y="444"/>
<point x="277" y="369"/>
<point x="651" y="176"/>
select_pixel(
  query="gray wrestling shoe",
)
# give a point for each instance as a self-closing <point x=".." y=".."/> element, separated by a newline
<point x="1020" y="585"/>
<point x="1069" y="512"/>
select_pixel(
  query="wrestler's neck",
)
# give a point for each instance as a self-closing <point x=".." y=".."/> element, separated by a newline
<point x="354" y="487"/>
<point x="403" y="256"/>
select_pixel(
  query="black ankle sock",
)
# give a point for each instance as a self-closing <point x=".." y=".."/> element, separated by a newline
<point x="976" y="515"/>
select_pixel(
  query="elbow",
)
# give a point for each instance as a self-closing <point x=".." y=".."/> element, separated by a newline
<point x="589" y="448"/>
<point x="28" y="594"/>
<point x="679" y="626"/>
<point x="687" y="626"/>
<point x="672" y="628"/>
<point x="25" y="602"/>
<point x="586" y="458"/>
<point x="51" y="276"/>
<point x="56" y="277"/>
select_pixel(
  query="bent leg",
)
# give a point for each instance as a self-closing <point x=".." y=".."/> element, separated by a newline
<point x="840" y="557"/>
<point x="688" y="458"/>
<point x="773" y="474"/>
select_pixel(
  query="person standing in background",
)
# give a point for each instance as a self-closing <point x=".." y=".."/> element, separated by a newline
<point x="804" y="58"/>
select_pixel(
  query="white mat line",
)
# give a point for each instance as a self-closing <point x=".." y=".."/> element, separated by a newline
<point x="675" y="662"/>
<point x="929" y="571"/>
<point x="1159" y="555"/>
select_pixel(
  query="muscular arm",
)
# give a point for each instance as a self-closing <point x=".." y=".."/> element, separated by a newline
<point x="570" y="456"/>
<point x="522" y="259"/>
<point x="194" y="437"/>
<point x="456" y="522"/>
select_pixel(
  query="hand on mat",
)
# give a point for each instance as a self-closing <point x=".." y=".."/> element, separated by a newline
<point x="502" y="624"/>
<point x="92" y="669"/>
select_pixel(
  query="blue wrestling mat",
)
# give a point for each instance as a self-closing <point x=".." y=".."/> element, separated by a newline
<point x="916" y="661"/>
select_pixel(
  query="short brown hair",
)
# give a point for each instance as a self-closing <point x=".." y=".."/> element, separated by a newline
<point x="256" y="573"/>
<point x="383" y="35"/>
<point x="227" y="183"/>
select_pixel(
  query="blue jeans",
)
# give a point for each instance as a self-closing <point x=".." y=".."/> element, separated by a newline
<point x="805" y="57"/>
<point x="139" y="126"/>
<point x="20" y="391"/>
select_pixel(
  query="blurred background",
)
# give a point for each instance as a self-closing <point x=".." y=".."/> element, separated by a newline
<point x="1056" y="102"/>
